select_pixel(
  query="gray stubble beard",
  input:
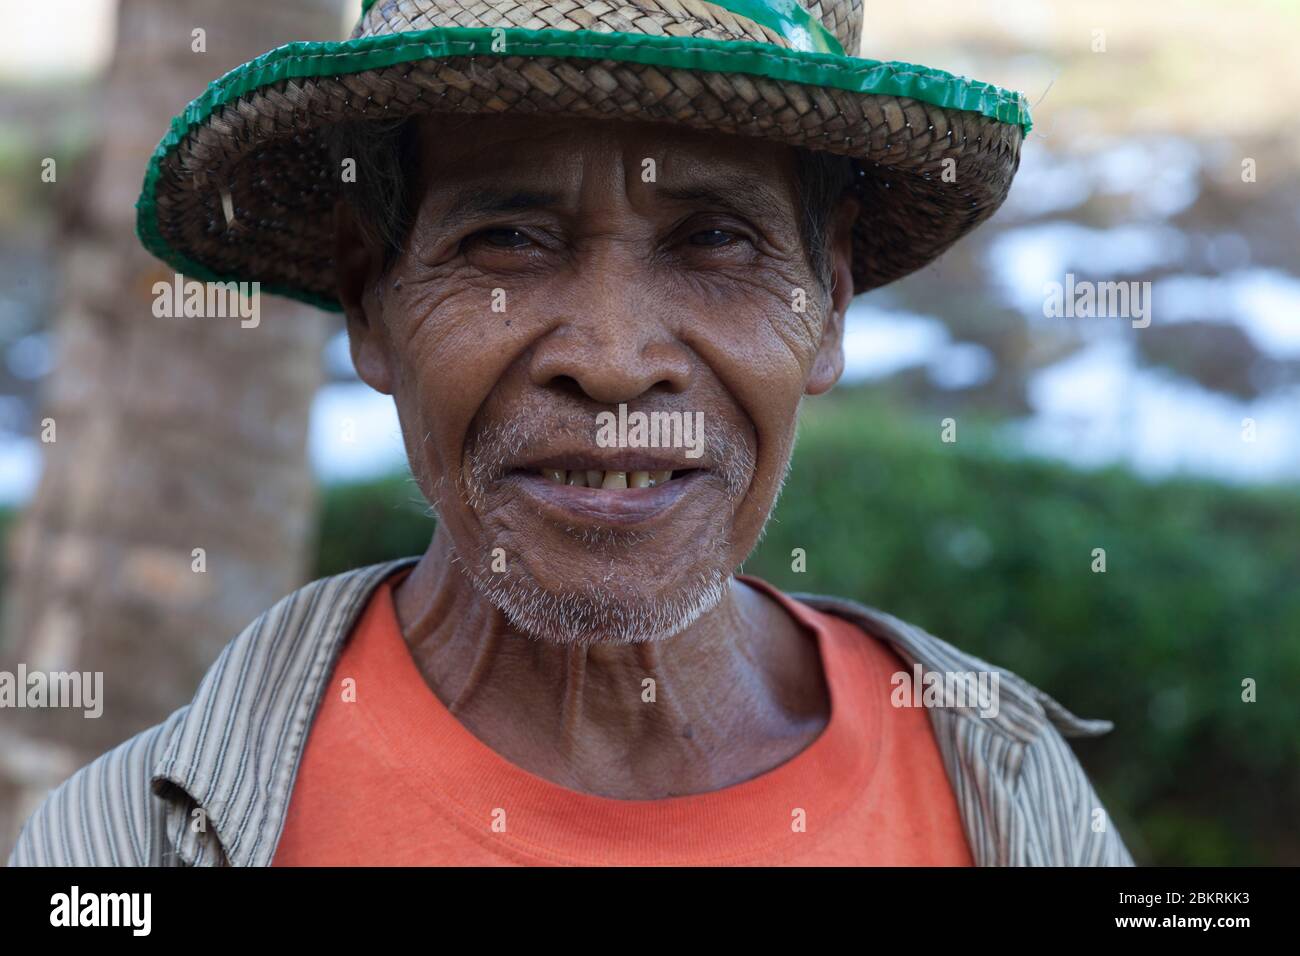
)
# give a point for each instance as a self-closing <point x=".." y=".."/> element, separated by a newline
<point x="588" y="616"/>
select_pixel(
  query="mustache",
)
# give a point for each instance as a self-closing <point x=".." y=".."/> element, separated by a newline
<point x="492" y="448"/>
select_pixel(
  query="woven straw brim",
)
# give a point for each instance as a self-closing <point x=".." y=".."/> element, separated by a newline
<point x="242" y="187"/>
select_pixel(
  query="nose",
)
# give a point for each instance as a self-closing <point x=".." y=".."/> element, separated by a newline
<point x="612" y="353"/>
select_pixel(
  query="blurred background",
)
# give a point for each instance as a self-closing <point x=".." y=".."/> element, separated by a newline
<point x="1165" y="150"/>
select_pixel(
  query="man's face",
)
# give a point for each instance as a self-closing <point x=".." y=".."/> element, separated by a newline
<point x="556" y="270"/>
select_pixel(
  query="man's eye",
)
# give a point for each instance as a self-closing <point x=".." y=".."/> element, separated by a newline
<point x="712" y="237"/>
<point x="501" y="238"/>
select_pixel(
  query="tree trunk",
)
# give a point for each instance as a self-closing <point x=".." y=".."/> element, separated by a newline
<point x="170" y="434"/>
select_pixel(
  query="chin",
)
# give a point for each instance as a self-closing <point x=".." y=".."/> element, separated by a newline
<point x="597" y="614"/>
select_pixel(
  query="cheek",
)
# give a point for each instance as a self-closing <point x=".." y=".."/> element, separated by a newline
<point x="770" y="318"/>
<point x="762" y="352"/>
<point x="450" y="349"/>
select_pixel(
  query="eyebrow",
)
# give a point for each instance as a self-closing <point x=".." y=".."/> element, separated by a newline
<point x="470" y="204"/>
<point x="745" y="196"/>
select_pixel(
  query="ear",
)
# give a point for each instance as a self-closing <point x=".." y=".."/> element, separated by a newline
<point x="357" y="271"/>
<point x="828" y="366"/>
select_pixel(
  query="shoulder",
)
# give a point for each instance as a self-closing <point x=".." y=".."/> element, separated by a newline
<point x="262" y="687"/>
<point x="1073" y="828"/>
<point x="106" y="814"/>
<point x="1015" y="758"/>
<point x="1024" y="710"/>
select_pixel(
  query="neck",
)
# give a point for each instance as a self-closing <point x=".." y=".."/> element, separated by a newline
<point x="735" y="694"/>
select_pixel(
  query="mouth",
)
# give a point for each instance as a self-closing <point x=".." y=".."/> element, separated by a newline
<point x="610" y="480"/>
<point x="625" y="496"/>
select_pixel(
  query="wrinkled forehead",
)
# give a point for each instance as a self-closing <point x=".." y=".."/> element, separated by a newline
<point x="563" y="155"/>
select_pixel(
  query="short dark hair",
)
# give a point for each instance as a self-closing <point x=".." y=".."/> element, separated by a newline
<point x="381" y="199"/>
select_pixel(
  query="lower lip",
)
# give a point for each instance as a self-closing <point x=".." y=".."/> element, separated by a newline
<point x="603" y="506"/>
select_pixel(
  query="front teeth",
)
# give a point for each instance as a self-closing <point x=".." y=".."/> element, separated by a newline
<point x="606" y="479"/>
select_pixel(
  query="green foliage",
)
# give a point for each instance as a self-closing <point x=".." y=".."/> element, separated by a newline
<point x="370" y="522"/>
<point x="995" y="554"/>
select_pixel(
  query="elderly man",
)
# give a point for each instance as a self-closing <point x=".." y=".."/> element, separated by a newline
<point x="597" y="254"/>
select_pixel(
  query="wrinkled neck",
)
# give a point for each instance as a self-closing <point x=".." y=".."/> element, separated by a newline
<point x="577" y="713"/>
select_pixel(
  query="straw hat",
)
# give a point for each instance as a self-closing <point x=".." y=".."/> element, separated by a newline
<point x="242" y="186"/>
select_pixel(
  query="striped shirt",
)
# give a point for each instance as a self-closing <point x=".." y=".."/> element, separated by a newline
<point x="210" y="785"/>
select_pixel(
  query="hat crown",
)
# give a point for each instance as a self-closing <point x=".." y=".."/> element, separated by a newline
<point x="786" y="23"/>
<point x="245" y="183"/>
